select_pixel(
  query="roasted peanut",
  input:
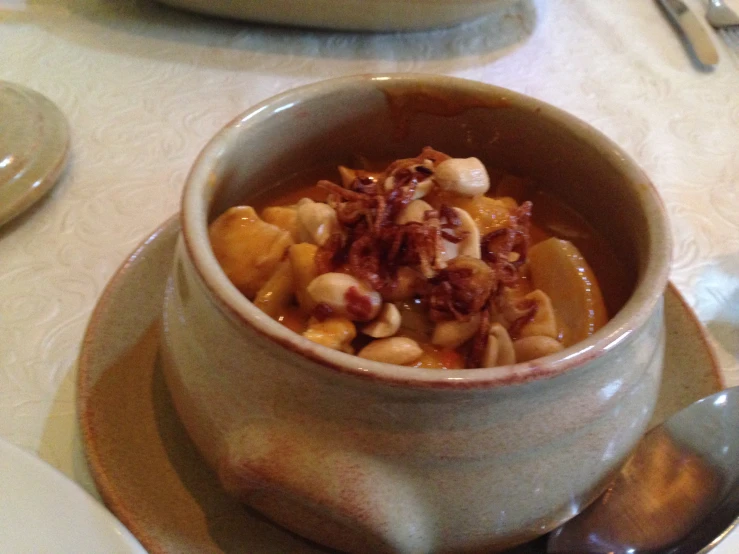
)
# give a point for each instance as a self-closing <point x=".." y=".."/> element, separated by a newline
<point x="334" y="332"/>
<point x="346" y="296"/>
<point x="423" y="187"/>
<point x="465" y="176"/>
<point x="347" y="176"/>
<point x="531" y="348"/>
<point x="451" y="334"/>
<point x="316" y="222"/>
<point x="469" y="245"/>
<point x="386" y="324"/>
<point x="544" y="322"/>
<point x="414" y="212"/>
<point x="499" y="349"/>
<point x="393" y="350"/>
<point x="513" y="304"/>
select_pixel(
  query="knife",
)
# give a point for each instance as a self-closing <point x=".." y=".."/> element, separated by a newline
<point x="693" y="34"/>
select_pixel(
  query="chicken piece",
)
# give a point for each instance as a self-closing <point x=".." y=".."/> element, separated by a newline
<point x="247" y="248"/>
<point x="334" y="332"/>
<point x="285" y="217"/>
<point x="277" y="292"/>
<point x="489" y="214"/>
<point x="303" y="261"/>
<point x="436" y="357"/>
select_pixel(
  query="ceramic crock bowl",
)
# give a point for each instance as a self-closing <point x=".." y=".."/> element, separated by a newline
<point x="370" y="457"/>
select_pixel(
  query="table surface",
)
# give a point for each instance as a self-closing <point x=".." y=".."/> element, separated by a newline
<point x="144" y="87"/>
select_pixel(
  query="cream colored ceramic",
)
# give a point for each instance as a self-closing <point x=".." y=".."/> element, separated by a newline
<point x="149" y="472"/>
<point x="34" y="141"/>
<point x="44" y="511"/>
<point x="356" y="15"/>
<point x="369" y="457"/>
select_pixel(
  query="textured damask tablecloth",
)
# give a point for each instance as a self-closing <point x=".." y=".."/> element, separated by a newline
<point x="144" y="87"/>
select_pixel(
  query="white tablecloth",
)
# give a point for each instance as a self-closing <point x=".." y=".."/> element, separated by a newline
<point x="144" y="87"/>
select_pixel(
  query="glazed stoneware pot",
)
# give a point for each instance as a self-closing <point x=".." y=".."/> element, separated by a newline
<point x="370" y="457"/>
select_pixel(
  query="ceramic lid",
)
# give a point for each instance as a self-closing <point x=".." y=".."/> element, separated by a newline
<point x="34" y="141"/>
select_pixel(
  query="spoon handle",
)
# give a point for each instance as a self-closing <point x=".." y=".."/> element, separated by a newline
<point x="693" y="34"/>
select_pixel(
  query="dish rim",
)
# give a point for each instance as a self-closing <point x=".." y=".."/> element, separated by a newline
<point x="89" y="373"/>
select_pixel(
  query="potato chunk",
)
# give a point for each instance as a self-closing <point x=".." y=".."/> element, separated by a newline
<point x="284" y="217"/>
<point x="559" y="269"/>
<point x="247" y="248"/>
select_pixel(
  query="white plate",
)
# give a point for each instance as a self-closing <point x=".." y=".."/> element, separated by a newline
<point x="41" y="511"/>
<point x="150" y="473"/>
<point x="354" y="15"/>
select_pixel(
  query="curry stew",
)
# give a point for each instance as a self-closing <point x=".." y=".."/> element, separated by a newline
<point x="423" y="263"/>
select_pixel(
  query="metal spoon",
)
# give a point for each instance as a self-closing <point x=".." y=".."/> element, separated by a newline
<point x="678" y="494"/>
<point x="720" y="15"/>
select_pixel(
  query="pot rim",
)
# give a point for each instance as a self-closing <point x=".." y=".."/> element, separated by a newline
<point x="199" y="189"/>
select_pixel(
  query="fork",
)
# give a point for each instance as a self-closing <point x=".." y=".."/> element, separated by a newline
<point x="726" y="22"/>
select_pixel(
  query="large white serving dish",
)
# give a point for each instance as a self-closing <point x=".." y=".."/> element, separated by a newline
<point x="41" y="511"/>
<point x="356" y="15"/>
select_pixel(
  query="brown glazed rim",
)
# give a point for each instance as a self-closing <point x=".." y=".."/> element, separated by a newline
<point x="199" y="189"/>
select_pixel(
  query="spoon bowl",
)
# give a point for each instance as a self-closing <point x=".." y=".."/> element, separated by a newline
<point x="678" y="493"/>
